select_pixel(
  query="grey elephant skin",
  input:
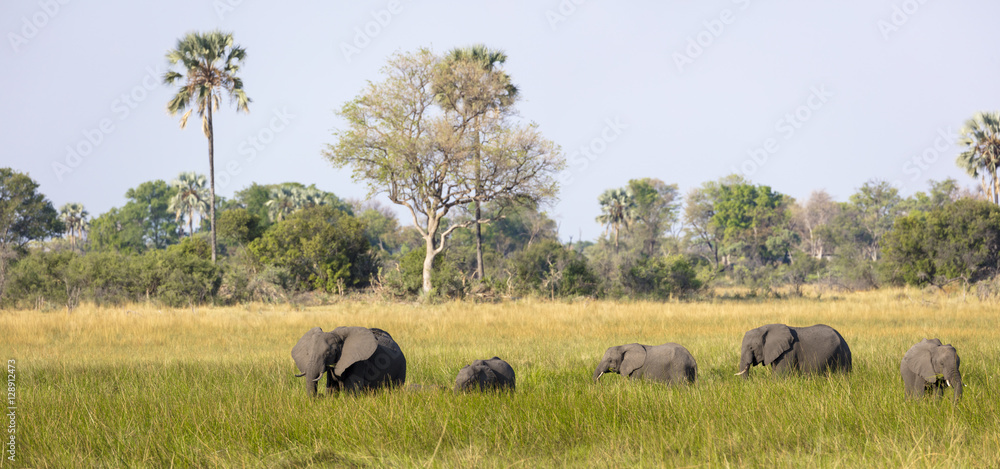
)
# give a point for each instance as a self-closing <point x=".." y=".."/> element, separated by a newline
<point x="811" y="350"/>
<point x="486" y="375"/>
<point x="669" y="363"/>
<point x="353" y="358"/>
<point x="928" y="367"/>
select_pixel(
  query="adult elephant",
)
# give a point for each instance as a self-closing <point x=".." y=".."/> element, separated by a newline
<point x="353" y="358"/>
<point x="928" y="367"/>
<point x="670" y="363"/>
<point x="813" y="349"/>
<point x="485" y="375"/>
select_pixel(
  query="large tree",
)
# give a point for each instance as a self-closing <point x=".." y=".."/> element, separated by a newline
<point x="151" y="200"/>
<point x="402" y="142"/>
<point x="470" y="83"/>
<point x="210" y="62"/>
<point x="981" y="138"/>
<point x="656" y="208"/>
<point x="25" y="215"/>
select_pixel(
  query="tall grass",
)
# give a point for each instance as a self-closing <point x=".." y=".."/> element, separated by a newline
<point x="149" y="387"/>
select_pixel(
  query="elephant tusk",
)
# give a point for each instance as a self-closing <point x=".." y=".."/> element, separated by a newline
<point x="300" y="375"/>
<point x="742" y="372"/>
<point x="948" y="383"/>
<point x="599" y="376"/>
<point x="318" y="377"/>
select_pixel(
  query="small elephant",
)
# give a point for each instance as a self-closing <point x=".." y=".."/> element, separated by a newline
<point x="928" y="367"/>
<point x="485" y="375"/>
<point x="670" y="363"/>
<point x="354" y="358"/>
<point x="813" y="349"/>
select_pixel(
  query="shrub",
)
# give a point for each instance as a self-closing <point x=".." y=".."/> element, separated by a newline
<point x="547" y="267"/>
<point x="408" y="277"/>
<point x="661" y="277"/>
<point x="323" y="248"/>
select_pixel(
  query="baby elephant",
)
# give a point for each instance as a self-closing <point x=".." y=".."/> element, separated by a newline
<point x="485" y="375"/>
<point x="928" y="367"/>
<point x="670" y="363"/>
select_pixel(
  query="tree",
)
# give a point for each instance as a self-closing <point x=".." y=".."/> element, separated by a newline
<point x="877" y="204"/>
<point x="25" y="215"/>
<point x="617" y="210"/>
<point x="956" y="241"/>
<point x="469" y="83"/>
<point x="753" y="221"/>
<point x="74" y="217"/>
<point x="324" y="248"/>
<point x="655" y="211"/>
<point x="808" y="219"/>
<point x="152" y="201"/>
<point x="401" y="142"/>
<point x="981" y="137"/>
<point x="190" y="198"/>
<point x="210" y="62"/>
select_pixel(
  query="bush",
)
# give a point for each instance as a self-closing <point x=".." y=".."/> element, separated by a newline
<point x="549" y="268"/>
<point x="323" y="248"/>
<point x="661" y="277"/>
<point x="408" y="277"/>
<point x="957" y="241"/>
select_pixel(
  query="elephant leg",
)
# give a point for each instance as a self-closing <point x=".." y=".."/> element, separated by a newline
<point x="331" y="382"/>
<point x="782" y="367"/>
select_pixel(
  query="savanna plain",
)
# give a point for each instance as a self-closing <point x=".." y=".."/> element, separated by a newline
<point x="142" y="386"/>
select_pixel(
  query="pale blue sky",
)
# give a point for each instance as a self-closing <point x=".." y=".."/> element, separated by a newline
<point x="873" y="84"/>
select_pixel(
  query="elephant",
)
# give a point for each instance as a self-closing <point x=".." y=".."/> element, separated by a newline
<point x="670" y="363"/>
<point x="928" y="367"/>
<point x="354" y="359"/>
<point x="485" y="375"/>
<point x="813" y="349"/>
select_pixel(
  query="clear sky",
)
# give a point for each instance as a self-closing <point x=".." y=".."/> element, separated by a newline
<point x="797" y="95"/>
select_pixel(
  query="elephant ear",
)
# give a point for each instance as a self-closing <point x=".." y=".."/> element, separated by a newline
<point x="635" y="357"/>
<point x="488" y="375"/>
<point x="919" y="361"/>
<point x="359" y="345"/>
<point x="777" y="341"/>
<point x="304" y="348"/>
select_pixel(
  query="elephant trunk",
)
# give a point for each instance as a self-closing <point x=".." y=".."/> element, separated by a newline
<point x="955" y="380"/>
<point x="312" y="376"/>
<point x="601" y="369"/>
<point x="745" y="364"/>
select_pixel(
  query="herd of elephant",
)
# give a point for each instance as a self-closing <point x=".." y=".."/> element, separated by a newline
<point x="359" y="358"/>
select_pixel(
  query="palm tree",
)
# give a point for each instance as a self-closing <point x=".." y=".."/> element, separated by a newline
<point x="210" y="61"/>
<point x="617" y="210"/>
<point x="284" y="201"/>
<point x="471" y="105"/>
<point x="981" y="137"/>
<point x="191" y="197"/>
<point x="75" y="218"/>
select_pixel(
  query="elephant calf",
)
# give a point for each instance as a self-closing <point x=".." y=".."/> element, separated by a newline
<point x="813" y="349"/>
<point x="485" y="375"/>
<point x="928" y="367"/>
<point x="670" y="363"/>
<point x="353" y="358"/>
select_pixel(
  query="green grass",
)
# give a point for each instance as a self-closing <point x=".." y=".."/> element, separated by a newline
<point x="214" y="388"/>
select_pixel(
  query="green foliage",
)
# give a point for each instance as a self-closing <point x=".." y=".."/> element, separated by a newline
<point x="150" y="201"/>
<point x="25" y="215"/>
<point x="549" y="268"/>
<point x="408" y="278"/>
<point x="323" y="248"/>
<point x="239" y="226"/>
<point x="661" y="277"/>
<point x="118" y="230"/>
<point x="957" y="241"/>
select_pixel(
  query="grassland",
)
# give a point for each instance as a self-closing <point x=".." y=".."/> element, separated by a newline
<point x="149" y="387"/>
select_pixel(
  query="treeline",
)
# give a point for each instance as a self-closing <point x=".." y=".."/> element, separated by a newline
<point x="289" y="242"/>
